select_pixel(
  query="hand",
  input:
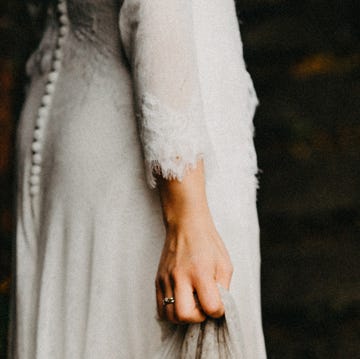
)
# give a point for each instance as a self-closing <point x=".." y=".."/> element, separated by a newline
<point x="193" y="260"/>
<point x="194" y="257"/>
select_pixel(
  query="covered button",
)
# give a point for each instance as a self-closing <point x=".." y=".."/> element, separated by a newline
<point x="46" y="99"/>
<point x="36" y="146"/>
<point x="53" y="75"/>
<point x="50" y="88"/>
<point x="34" y="180"/>
<point x="43" y="111"/>
<point x="38" y="134"/>
<point x="35" y="169"/>
<point x="37" y="158"/>
<point x="64" y="19"/>
<point x="34" y="189"/>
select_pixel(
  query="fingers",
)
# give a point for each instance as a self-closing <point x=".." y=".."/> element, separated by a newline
<point x="187" y="308"/>
<point x="164" y="289"/>
<point x="209" y="297"/>
<point x="159" y="299"/>
<point x="192" y="302"/>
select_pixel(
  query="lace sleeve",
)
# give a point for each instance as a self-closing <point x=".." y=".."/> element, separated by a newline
<point x="159" y="43"/>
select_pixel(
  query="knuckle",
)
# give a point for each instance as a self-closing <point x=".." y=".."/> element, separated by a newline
<point x="202" y="274"/>
<point x="202" y="266"/>
<point x="227" y="270"/>
<point x="176" y="273"/>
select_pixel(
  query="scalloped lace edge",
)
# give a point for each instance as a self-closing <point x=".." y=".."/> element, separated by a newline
<point x="154" y="168"/>
<point x="173" y="142"/>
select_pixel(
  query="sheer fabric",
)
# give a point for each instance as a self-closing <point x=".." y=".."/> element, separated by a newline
<point x="158" y="38"/>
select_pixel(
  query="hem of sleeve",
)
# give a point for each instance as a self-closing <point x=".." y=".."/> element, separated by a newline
<point x="173" y="141"/>
<point x="178" y="172"/>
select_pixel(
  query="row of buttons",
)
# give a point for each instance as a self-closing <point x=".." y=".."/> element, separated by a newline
<point x="44" y="110"/>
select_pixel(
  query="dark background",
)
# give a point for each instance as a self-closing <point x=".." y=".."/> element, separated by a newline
<point x="304" y="59"/>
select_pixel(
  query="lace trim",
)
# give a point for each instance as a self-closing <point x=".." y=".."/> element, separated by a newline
<point x="173" y="142"/>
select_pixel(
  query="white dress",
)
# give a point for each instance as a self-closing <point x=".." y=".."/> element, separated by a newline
<point x="117" y="90"/>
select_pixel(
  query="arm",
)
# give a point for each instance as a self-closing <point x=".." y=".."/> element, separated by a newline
<point x="159" y="42"/>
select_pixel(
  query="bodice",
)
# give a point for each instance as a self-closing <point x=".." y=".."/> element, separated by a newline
<point x="80" y="31"/>
<point x="92" y="31"/>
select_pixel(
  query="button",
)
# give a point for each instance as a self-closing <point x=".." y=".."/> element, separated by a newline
<point x="40" y="122"/>
<point x="43" y="111"/>
<point x="35" y="169"/>
<point x="63" y="30"/>
<point x="58" y="54"/>
<point x="53" y="75"/>
<point x="37" y="158"/>
<point x="56" y="65"/>
<point x="36" y="146"/>
<point x="46" y="99"/>
<point x="64" y="19"/>
<point x="50" y="87"/>
<point x="34" y="190"/>
<point x="61" y="6"/>
<point x="34" y="180"/>
<point x="38" y="134"/>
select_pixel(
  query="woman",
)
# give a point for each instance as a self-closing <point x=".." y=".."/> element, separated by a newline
<point x="134" y="145"/>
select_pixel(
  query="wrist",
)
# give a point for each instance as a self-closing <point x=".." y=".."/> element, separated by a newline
<point x="181" y="200"/>
<point x="176" y="215"/>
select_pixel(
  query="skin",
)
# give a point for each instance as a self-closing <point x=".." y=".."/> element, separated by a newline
<point x="194" y="257"/>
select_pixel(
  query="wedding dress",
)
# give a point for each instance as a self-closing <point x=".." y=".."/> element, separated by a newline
<point x="117" y="91"/>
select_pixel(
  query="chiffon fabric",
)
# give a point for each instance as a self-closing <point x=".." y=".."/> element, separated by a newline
<point x="132" y="88"/>
<point x="211" y="339"/>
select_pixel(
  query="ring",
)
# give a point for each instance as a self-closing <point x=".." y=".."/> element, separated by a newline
<point x="168" y="300"/>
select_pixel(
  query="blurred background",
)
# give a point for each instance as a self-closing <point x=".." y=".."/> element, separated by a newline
<point x="304" y="58"/>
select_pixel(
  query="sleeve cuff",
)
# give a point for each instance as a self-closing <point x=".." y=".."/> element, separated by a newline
<point x="173" y="142"/>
